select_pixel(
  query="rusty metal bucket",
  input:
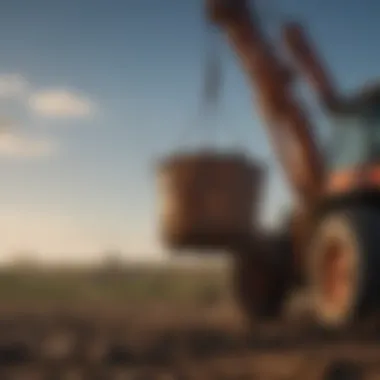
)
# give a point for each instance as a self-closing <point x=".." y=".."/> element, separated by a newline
<point x="207" y="199"/>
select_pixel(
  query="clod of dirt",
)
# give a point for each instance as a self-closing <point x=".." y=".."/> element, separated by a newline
<point x="343" y="370"/>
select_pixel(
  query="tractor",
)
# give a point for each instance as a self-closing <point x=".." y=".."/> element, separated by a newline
<point x="328" y="244"/>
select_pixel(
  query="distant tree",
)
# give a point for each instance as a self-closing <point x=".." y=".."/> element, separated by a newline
<point x="25" y="260"/>
<point x="113" y="262"/>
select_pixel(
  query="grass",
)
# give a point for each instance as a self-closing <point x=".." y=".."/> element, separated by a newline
<point x="124" y="284"/>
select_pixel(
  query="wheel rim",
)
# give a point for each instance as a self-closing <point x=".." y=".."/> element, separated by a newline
<point x="337" y="277"/>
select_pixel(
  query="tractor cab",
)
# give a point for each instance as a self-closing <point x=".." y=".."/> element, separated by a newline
<point x="353" y="162"/>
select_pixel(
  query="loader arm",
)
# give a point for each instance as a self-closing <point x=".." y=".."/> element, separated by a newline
<point x="287" y="126"/>
<point x="311" y="65"/>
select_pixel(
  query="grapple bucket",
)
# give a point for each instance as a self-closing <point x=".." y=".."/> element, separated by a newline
<point x="208" y="199"/>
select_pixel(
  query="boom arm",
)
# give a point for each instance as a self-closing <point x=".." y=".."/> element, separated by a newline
<point x="287" y="125"/>
<point x="310" y="64"/>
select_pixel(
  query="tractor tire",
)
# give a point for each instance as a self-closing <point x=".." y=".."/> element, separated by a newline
<point x="343" y="266"/>
<point x="261" y="280"/>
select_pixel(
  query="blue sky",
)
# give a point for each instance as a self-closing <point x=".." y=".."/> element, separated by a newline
<point x="93" y="91"/>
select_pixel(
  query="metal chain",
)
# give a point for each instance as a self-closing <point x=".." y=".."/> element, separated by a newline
<point x="205" y="120"/>
<point x="212" y="74"/>
<point x="211" y="89"/>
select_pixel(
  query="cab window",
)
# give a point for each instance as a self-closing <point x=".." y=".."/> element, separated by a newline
<point x="351" y="143"/>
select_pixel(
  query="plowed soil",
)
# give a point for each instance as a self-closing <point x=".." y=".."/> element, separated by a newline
<point x="104" y="342"/>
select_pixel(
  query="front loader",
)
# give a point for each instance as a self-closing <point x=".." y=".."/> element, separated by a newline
<point x="328" y="246"/>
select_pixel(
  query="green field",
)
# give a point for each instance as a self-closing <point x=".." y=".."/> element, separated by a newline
<point x="126" y="283"/>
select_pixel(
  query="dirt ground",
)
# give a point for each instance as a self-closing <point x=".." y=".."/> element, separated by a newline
<point x="161" y="343"/>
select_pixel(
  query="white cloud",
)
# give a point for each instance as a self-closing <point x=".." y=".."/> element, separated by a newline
<point x="17" y="145"/>
<point x="55" y="102"/>
<point x="13" y="86"/>
<point x="60" y="103"/>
